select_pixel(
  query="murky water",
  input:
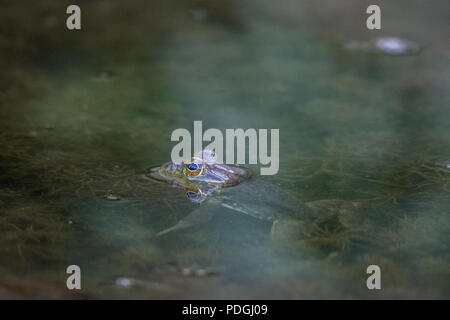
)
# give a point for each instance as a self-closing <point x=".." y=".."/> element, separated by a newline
<point x="85" y="113"/>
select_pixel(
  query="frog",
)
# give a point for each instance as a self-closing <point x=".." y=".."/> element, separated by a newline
<point x="210" y="184"/>
<point x="200" y="176"/>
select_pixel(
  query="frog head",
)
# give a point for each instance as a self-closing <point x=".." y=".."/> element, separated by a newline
<point x="202" y="172"/>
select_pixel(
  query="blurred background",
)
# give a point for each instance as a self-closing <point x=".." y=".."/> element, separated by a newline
<point x="83" y="114"/>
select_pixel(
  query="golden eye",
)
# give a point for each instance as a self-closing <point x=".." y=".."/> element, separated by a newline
<point x="193" y="169"/>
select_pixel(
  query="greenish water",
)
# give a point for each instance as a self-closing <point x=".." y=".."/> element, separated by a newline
<point x="85" y="113"/>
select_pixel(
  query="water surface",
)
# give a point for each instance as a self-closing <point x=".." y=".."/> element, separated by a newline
<point x="83" y="114"/>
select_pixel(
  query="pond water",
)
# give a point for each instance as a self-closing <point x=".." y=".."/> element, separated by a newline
<point x="85" y="113"/>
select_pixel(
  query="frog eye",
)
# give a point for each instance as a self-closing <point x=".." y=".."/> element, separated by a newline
<point x="192" y="166"/>
<point x="193" y="169"/>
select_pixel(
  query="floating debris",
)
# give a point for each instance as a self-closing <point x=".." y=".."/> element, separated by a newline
<point x="199" y="14"/>
<point x="104" y="76"/>
<point x="124" y="282"/>
<point x="444" y="165"/>
<point x="112" y="197"/>
<point x="438" y="165"/>
<point x="193" y="272"/>
<point x="128" y="283"/>
<point x="387" y="45"/>
<point x="33" y="133"/>
<point x="392" y="45"/>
